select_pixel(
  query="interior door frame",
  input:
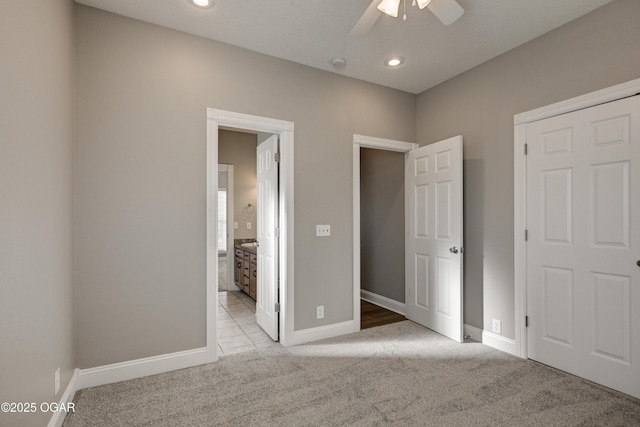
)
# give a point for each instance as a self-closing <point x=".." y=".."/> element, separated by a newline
<point x="285" y="130"/>
<point x="520" y="122"/>
<point x="361" y="141"/>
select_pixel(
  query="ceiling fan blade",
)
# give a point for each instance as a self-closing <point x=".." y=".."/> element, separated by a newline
<point x="367" y="20"/>
<point x="448" y="11"/>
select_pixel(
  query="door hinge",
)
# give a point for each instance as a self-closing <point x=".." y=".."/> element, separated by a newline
<point x="277" y="157"/>
<point x="526" y="321"/>
<point x="526" y="235"/>
<point x="277" y="232"/>
<point x="526" y="149"/>
<point x="277" y="308"/>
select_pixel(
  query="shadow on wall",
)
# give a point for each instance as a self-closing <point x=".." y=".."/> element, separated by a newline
<point x="473" y="241"/>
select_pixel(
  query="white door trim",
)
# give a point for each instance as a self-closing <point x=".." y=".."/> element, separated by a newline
<point x="215" y="119"/>
<point x="520" y="121"/>
<point x="361" y="141"/>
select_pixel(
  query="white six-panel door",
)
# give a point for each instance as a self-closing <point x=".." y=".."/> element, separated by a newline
<point x="583" y="221"/>
<point x="267" y="212"/>
<point x="434" y="254"/>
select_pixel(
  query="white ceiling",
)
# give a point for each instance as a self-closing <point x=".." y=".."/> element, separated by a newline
<point x="312" y="32"/>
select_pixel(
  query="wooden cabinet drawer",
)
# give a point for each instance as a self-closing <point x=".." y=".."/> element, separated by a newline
<point x="238" y="273"/>
<point x="253" y="281"/>
<point x="245" y="272"/>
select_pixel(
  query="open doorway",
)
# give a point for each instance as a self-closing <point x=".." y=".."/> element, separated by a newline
<point x="382" y="225"/>
<point x="433" y="232"/>
<point x="369" y="303"/>
<point x="280" y="301"/>
<point x="238" y="330"/>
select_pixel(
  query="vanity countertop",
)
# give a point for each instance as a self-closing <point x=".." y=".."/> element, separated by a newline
<point x="246" y="246"/>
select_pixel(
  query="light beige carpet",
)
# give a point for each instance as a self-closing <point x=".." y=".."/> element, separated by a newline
<point x="399" y="374"/>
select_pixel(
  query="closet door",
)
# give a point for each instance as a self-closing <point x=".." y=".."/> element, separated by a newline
<point x="583" y="249"/>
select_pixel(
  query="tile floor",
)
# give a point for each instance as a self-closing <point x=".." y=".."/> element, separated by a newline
<point x="238" y="330"/>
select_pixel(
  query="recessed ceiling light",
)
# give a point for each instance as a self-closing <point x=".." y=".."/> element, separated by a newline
<point x="394" y="62"/>
<point x="204" y="4"/>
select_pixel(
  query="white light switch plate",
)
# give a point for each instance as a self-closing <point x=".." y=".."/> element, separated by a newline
<point x="323" y="230"/>
<point x="235" y="225"/>
<point x="248" y="226"/>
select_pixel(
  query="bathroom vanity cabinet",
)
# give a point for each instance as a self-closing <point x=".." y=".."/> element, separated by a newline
<point x="245" y="271"/>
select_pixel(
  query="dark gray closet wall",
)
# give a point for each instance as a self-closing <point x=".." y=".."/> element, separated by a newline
<point x="382" y="222"/>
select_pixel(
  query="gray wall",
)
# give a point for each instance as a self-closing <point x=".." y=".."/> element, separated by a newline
<point x="593" y="52"/>
<point x="142" y="91"/>
<point x="239" y="149"/>
<point x="36" y="203"/>
<point x="382" y="222"/>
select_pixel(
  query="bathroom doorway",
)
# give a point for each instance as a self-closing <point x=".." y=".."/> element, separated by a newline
<point x="281" y="278"/>
<point x="236" y="224"/>
<point x="240" y="203"/>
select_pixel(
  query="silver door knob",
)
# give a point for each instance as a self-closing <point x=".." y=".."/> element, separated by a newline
<point x="453" y="250"/>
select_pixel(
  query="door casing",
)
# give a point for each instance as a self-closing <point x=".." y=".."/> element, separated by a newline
<point x="520" y="121"/>
<point x="285" y="130"/>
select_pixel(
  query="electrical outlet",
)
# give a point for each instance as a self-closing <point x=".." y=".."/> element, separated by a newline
<point x="56" y="381"/>
<point x="323" y="230"/>
<point x="248" y="226"/>
<point x="320" y="312"/>
<point x="496" y="326"/>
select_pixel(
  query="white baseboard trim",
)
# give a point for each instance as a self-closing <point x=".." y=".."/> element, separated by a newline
<point x="67" y="397"/>
<point x="321" y="332"/>
<point x="138" y="368"/>
<point x="473" y="332"/>
<point x="384" y="302"/>
<point x="499" y="342"/>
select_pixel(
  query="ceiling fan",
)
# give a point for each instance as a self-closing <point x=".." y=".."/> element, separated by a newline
<point x="447" y="11"/>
